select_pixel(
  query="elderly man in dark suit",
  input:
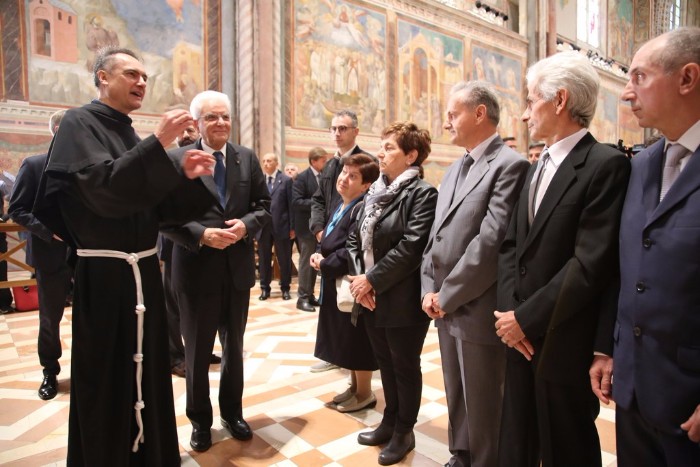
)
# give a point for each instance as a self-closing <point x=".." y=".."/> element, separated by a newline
<point x="303" y="189"/>
<point x="279" y="232"/>
<point x="557" y="272"/>
<point x="214" y="269"/>
<point x="657" y="334"/>
<point x="47" y="253"/>
<point x="458" y="275"/>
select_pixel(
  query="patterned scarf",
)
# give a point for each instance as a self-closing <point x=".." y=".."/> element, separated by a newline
<point x="378" y="197"/>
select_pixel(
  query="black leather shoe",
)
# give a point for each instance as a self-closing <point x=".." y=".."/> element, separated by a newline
<point x="200" y="439"/>
<point x="48" y="388"/>
<point x="400" y="445"/>
<point x="238" y="428"/>
<point x="304" y="305"/>
<point x="313" y="301"/>
<point x="215" y="359"/>
<point x="264" y="295"/>
<point x="381" y="435"/>
<point x="286" y="295"/>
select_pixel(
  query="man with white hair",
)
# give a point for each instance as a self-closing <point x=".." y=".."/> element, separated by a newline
<point x="557" y="281"/>
<point x="214" y="269"/>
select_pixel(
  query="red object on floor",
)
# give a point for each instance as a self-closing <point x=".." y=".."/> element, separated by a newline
<point x="26" y="298"/>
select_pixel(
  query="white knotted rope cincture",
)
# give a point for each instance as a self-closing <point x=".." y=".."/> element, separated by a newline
<point x="133" y="260"/>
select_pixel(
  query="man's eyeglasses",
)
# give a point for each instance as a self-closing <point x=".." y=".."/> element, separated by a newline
<point x="211" y="117"/>
<point x="340" y="129"/>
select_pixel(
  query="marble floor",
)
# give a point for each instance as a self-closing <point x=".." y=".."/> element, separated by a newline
<point x="285" y="404"/>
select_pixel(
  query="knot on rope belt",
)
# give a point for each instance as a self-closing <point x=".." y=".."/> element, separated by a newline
<point x="133" y="260"/>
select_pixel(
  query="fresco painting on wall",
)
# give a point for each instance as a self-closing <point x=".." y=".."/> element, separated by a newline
<point x="629" y="130"/>
<point x="339" y="63"/>
<point x="566" y="19"/>
<point x="429" y="64"/>
<point x="505" y="73"/>
<point x="620" y="31"/>
<point x="166" y="33"/>
<point x="604" y="124"/>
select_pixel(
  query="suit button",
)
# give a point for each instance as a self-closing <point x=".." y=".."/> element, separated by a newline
<point x="646" y="243"/>
<point x="438" y="238"/>
<point x="641" y="287"/>
<point x="522" y="300"/>
<point x="637" y="331"/>
<point x="523" y="270"/>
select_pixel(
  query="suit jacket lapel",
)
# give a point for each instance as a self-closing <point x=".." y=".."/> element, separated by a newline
<point x="686" y="183"/>
<point x="233" y="167"/>
<point x="565" y="176"/>
<point x="208" y="180"/>
<point x="446" y="192"/>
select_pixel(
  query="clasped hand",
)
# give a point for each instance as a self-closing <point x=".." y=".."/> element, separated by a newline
<point x="221" y="238"/>
<point x="363" y="291"/>
<point x="508" y="329"/>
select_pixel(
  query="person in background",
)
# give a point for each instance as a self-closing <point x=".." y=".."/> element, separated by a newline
<point x="654" y="371"/>
<point x="338" y="340"/>
<point x="279" y="232"/>
<point x="48" y="255"/>
<point x="534" y="151"/>
<point x="511" y="142"/>
<point x="344" y="130"/>
<point x="385" y="256"/>
<point x="557" y="272"/>
<point x="189" y="136"/>
<point x="291" y="170"/>
<point x="303" y="189"/>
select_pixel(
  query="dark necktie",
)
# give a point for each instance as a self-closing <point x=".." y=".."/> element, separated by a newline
<point x="220" y="176"/>
<point x="535" y="184"/>
<point x="269" y="183"/>
<point x="672" y="167"/>
<point x="467" y="162"/>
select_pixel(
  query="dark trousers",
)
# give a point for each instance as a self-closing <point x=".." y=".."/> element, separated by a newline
<point x="201" y="316"/>
<point x="175" y="345"/>
<point x="397" y="351"/>
<point x="283" y="250"/>
<point x="639" y="442"/>
<point x="53" y="288"/>
<point x="5" y="294"/>
<point x="546" y="421"/>
<point x="307" y="274"/>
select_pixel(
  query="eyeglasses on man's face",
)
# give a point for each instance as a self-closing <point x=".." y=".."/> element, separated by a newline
<point x="340" y="129"/>
<point x="213" y="117"/>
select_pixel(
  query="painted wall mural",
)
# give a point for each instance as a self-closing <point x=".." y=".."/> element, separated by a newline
<point x="620" y="30"/>
<point x="65" y="35"/>
<point x="339" y="63"/>
<point x="429" y="63"/>
<point x="506" y="74"/>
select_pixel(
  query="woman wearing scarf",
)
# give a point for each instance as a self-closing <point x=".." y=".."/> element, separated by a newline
<point x="338" y="341"/>
<point x="385" y="255"/>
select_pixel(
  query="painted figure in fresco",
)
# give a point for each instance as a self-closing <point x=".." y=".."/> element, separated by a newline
<point x="97" y="37"/>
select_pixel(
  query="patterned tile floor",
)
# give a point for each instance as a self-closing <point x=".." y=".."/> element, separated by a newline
<point x="284" y="402"/>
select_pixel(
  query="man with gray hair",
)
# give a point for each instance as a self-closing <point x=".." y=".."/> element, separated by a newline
<point x="213" y="269"/>
<point x="557" y="272"/>
<point x="47" y="254"/>
<point x="657" y="334"/>
<point x="458" y="274"/>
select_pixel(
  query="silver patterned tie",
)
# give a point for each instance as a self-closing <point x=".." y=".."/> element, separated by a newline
<point x="535" y="184"/>
<point x="672" y="167"/>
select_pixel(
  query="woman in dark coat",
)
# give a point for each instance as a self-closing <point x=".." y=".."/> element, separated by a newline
<point x="338" y="341"/>
<point x="385" y="252"/>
